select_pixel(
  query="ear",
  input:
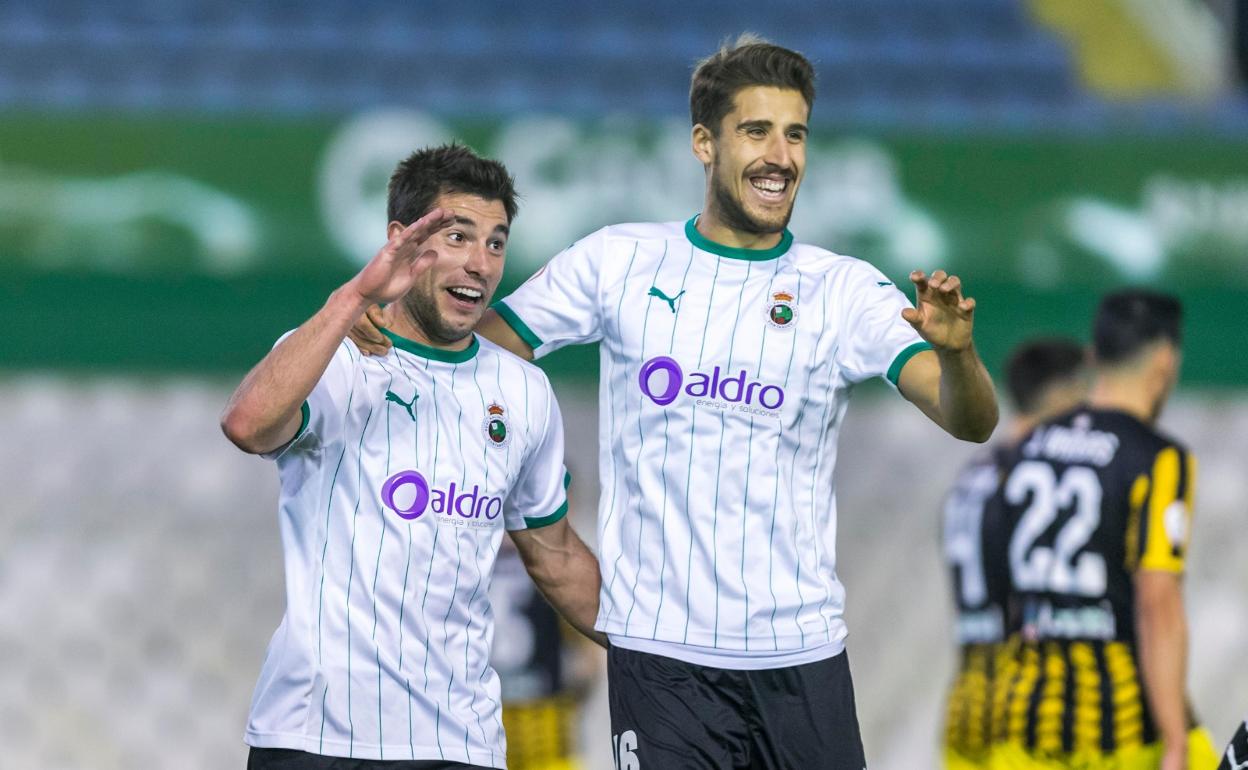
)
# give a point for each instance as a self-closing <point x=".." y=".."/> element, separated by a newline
<point x="703" y="144"/>
<point x="394" y="228"/>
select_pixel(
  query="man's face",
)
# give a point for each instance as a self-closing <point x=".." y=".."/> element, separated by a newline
<point x="449" y="299"/>
<point x="759" y="159"/>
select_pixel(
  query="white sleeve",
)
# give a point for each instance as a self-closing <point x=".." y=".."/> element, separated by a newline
<point x="878" y="341"/>
<point x="559" y="304"/>
<point x="540" y="495"/>
<point x="323" y="411"/>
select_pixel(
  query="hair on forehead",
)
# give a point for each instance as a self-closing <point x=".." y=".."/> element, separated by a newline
<point x="444" y="170"/>
<point x="747" y="61"/>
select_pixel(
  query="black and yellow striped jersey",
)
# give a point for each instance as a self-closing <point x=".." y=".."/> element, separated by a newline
<point x="974" y="548"/>
<point x="1089" y="499"/>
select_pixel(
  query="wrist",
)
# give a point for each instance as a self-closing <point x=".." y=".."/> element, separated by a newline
<point x="348" y="299"/>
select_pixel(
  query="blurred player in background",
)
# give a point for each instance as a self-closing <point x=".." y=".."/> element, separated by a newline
<point x="398" y="476"/>
<point x="1098" y="505"/>
<point x="1044" y="377"/>
<point x="544" y="667"/>
<point x="729" y="352"/>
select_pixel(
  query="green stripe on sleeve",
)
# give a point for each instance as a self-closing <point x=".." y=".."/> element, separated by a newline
<point x="560" y="512"/>
<point x="903" y="358"/>
<point x="305" y="414"/>
<point x="546" y="521"/>
<point x="517" y="325"/>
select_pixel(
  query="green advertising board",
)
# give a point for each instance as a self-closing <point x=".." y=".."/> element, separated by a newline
<point x="162" y="244"/>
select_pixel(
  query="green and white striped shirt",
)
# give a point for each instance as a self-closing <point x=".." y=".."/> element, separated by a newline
<point x="394" y="498"/>
<point x="725" y="375"/>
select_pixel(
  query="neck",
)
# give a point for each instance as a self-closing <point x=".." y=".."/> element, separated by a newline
<point x="399" y="320"/>
<point x="711" y="225"/>
<point x="1124" y="394"/>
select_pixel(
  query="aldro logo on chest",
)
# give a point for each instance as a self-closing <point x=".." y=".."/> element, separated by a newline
<point x="497" y="430"/>
<point x="781" y="311"/>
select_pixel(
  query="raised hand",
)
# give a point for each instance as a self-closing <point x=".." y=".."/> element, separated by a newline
<point x="390" y="273"/>
<point x="940" y="314"/>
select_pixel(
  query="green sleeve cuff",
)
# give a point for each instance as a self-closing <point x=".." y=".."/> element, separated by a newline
<point x="305" y="414"/>
<point x="517" y="325"/>
<point x="903" y="358"/>
<point x="560" y="512"/>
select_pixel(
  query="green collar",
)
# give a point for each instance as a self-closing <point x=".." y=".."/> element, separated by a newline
<point x="434" y="354"/>
<point x="732" y="252"/>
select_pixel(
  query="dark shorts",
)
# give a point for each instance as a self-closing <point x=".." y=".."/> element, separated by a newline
<point x="673" y="715"/>
<point x="289" y="759"/>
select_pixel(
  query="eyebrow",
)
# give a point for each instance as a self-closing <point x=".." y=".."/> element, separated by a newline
<point x="746" y="125"/>
<point x="472" y="223"/>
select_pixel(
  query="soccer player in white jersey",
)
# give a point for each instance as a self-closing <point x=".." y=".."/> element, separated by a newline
<point x="728" y="353"/>
<point x="398" y="476"/>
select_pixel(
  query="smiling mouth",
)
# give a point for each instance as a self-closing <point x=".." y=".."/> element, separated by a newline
<point x="770" y="188"/>
<point x="466" y="295"/>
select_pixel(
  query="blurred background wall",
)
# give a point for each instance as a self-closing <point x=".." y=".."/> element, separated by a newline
<point x="181" y="182"/>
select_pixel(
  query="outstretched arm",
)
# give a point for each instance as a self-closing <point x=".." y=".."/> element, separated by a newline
<point x="264" y="412"/>
<point x="565" y="571"/>
<point x="948" y="383"/>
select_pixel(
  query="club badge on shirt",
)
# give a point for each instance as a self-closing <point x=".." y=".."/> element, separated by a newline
<point x="496" y="428"/>
<point x="782" y="312"/>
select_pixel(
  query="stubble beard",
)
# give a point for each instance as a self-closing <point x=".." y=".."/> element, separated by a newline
<point x="733" y="214"/>
<point x="422" y="309"/>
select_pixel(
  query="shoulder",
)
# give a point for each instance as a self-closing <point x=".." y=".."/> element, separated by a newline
<point x="641" y="231"/>
<point x="842" y="273"/>
<point x="512" y="367"/>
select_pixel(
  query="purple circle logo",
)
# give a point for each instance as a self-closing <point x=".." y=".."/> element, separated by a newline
<point x="674" y="379"/>
<point x="420" y="498"/>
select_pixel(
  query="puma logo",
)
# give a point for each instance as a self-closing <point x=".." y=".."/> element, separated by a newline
<point x="408" y="405"/>
<point x="671" y="301"/>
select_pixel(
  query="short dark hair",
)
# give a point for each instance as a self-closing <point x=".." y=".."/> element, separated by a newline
<point x="1036" y="365"/>
<point x="749" y="61"/>
<point x="450" y="168"/>
<point x="1130" y="320"/>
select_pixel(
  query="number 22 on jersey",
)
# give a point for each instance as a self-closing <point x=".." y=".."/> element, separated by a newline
<point x="1073" y="501"/>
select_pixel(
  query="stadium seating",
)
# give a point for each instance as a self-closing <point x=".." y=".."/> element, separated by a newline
<point x="925" y="62"/>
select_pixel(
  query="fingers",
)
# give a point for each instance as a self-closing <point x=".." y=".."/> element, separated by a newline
<point x="420" y="230"/>
<point x="367" y="336"/>
<point x="939" y="284"/>
<point x="912" y="316"/>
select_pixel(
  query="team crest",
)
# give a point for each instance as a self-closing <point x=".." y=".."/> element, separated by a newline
<point x="496" y="428"/>
<point x="782" y="312"/>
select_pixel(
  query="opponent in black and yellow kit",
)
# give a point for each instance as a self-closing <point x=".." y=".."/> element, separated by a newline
<point x="1044" y="377"/>
<point x="1098" y="505"/>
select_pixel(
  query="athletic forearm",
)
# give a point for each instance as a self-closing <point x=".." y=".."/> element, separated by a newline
<point x="567" y="574"/>
<point x="264" y="411"/>
<point x="1162" y="647"/>
<point x="968" y="401"/>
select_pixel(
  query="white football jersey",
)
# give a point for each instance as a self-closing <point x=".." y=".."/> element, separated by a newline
<point x="394" y="498"/>
<point x="725" y="374"/>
